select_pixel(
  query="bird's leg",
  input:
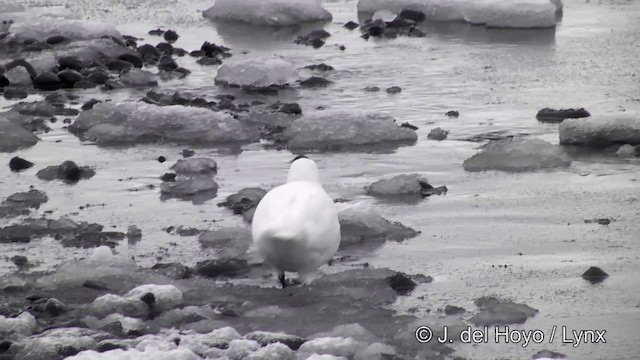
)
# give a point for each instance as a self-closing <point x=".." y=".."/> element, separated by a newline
<point x="282" y="279"/>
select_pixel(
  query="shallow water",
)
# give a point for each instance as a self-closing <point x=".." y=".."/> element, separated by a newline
<point x="496" y="79"/>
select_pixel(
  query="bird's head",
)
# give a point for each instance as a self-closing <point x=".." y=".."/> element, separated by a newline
<point x="303" y="169"/>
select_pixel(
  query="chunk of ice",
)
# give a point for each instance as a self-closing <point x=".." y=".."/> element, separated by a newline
<point x="134" y="354"/>
<point x="257" y="72"/>
<point x="268" y="12"/>
<point x="337" y="346"/>
<point x="601" y="130"/>
<point x="493" y="13"/>
<point x="134" y="123"/>
<point x="40" y="28"/>
<point x="333" y="130"/>
<point x="518" y="155"/>
<point x="23" y="324"/>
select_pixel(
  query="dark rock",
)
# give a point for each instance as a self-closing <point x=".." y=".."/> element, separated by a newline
<point x="89" y="104"/>
<point x="182" y="72"/>
<point x="319" y="67"/>
<point x="55" y="307"/>
<point x="119" y="65"/>
<point x="213" y="50"/>
<point x="553" y="115"/>
<point x="57" y="98"/>
<point x="374" y="28"/>
<point x="19" y="260"/>
<point x="186" y="153"/>
<point x="165" y="48"/>
<point x="134" y="59"/>
<point x="452" y="113"/>
<point x="315" y="81"/>
<point x="68" y="171"/>
<point x="149" y="52"/>
<point x="226" y="104"/>
<point x="47" y="81"/>
<point x="186" y="231"/>
<point x="166" y="63"/>
<point x="13" y="93"/>
<point x="371" y="89"/>
<point x="134" y="234"/>
<point x="149" y="299"/>
<point x="453" y="310"/>
<point x="37" y="46"/>
<point x="494" y="136"/>
<point x="415" y="16"/>
<point x="222" y="267"/>
<point x="394" y="90"/>
<point x="20" y="203"/>
<point x="168" y="177"/>
<point x="5" y="345"/>
<point x="265" y="338"/>
<point x="547" y="354"/>
<point x="156" y="32"/>
<point x="14" y="137"/>
<point x="4" y="82"/>
<point x="496" y="312"/>
<point x="437" y="134"/>
<point x="18" y="164"/>
<point x="290" y="108"/>
<point x="69" y="77"/>
<point x="90" y="284"/>
<point x="409" y="126"/>
<point x="106" y="345"/>
<point x="56" y="39"/>
<point x="99" y="77"/>
<point x="161" y="159"/>
<point x="401" y="283"/>
<point x="603" y="221"/>
<point x="351" y="25"/>
<point x="595" y="275"/>
<point x="244" y="202"/>
<point x="69" y="62"/>
<point x="315" y="38"/>
<point x="173" y="270"/>
<point x="87" y="240"/>
<point x="428" y="190"/>
<point x="208" y="61"/>
<point x="171" y="36"/>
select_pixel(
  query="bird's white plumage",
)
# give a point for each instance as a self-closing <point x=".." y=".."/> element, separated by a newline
<point x="295" y="226"/>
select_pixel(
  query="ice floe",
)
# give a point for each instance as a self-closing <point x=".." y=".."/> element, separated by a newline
<point x="132" y="123"/>
<point x="492" y="13"/>
<point x="518" y="155"/>
<point x="268" y="12"/>
<point x="601" y="130"/>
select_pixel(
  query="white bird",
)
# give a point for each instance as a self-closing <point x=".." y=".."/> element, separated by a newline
<point x="295" y="226"/>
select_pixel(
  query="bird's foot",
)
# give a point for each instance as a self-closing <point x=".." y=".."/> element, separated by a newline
<point x="287" y="282"/>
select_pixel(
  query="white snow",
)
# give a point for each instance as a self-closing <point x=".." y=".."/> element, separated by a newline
<point x="601" y="130"/>
<point x="268" y="12"/>
<point x="493" y="13"/>
<point x="239" y="349"/>
<point x="337" y="346"/>
<point x="518" y="155"/>
<point x="275" y="351"/>
<point x="257" y="72"/>
<point x="134" y="354"/>
<point x="23" y="324"/>
<point x="167" y="296"/>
